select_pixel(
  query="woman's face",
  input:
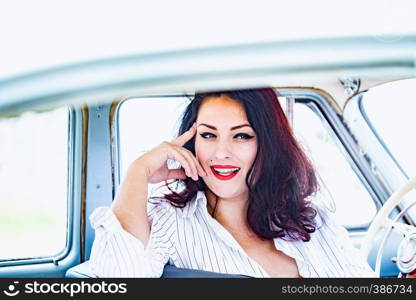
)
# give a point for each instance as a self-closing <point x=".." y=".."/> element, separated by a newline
<point x="225" y="145"/>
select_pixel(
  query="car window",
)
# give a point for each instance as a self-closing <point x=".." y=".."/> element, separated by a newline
<point x="33" y="184"/>
<point x="144" y="123"/>
<point x="354" y="206"/>
<point x="390" y="110"/>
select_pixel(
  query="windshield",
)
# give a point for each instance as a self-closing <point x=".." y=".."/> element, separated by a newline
<point x="391" y="112"/>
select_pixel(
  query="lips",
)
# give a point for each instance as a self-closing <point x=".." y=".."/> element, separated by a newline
<point x="224" y="172"/>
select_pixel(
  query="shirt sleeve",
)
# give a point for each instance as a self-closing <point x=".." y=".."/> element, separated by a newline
<point x="354" y="264"/>
<point x="117" y="253"/>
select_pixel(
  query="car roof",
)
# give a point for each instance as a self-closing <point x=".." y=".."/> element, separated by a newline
<point x="315" y="63"/>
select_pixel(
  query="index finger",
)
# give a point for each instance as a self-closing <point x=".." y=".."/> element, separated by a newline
<point x="186" y="136"/>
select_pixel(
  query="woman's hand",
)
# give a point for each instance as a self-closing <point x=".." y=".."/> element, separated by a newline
<point x="154" y="162"/>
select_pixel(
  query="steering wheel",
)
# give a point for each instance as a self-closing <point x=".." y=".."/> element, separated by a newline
<point x="406" y="253"/>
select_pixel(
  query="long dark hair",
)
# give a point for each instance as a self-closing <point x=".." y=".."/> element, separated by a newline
<point x="281" y="178"/>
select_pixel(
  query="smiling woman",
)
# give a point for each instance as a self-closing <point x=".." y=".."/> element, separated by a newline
<point x="271" y="166"/>
<point x="245" y="204"/>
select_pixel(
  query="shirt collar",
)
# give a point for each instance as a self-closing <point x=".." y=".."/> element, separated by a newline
<point x="201" y="200"/>
<point x="189" y="210"/>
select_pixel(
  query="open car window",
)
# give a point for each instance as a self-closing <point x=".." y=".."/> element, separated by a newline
<point x="143" y="123"/>
<point x="33" y="184"/>
<point x="340" y="188"/>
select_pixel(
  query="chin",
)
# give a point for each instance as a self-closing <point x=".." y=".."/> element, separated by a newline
<point x="225" y="191"/>
<point x="224" y="194"/>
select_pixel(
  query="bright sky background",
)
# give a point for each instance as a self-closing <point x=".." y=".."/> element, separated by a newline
<point x="44" y="33"/>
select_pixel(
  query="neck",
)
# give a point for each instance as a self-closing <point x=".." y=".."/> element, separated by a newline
<point x="230" y="212"/>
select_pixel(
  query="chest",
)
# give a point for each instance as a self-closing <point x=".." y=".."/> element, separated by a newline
<point x="200" y="248"/>
<point x="274" y="262"/>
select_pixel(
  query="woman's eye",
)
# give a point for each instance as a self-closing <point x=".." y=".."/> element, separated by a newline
<point x="244" y="136"/>
<point x="240" y="136"/>
<point x="206" y="135"/>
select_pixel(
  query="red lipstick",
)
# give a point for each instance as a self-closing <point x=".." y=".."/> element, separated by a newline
<point x="224" y="172"/>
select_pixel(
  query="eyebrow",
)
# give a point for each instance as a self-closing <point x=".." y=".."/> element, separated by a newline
<point x="232" y="128"/>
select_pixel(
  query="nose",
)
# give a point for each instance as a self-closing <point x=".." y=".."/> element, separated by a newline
<point x="222" y="150"/>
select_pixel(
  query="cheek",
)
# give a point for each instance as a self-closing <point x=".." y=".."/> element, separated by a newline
<point x="250" y="153"/>
<point x="200" y="150"/>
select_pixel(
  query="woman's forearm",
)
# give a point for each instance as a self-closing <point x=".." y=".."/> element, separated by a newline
<point x="130" y="204"/>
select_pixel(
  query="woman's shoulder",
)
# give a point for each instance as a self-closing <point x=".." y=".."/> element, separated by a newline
<point x="159" y="205"/>
<point x="325" y="211"/>
<point x="325" y="219"/>
<point x="327" y="226"/>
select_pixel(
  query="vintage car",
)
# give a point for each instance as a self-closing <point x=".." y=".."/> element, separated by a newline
<point x="68" y="134"/>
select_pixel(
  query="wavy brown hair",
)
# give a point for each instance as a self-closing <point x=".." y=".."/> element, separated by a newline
<point x="281" y="178"/>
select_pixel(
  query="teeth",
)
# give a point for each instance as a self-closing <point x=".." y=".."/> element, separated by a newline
<point x="226" y="171"/>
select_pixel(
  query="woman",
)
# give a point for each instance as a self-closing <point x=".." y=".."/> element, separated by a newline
<point x="244" y="208"/>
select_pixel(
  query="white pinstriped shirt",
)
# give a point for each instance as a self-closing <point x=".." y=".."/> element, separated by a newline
<point x="190" y="238"/>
